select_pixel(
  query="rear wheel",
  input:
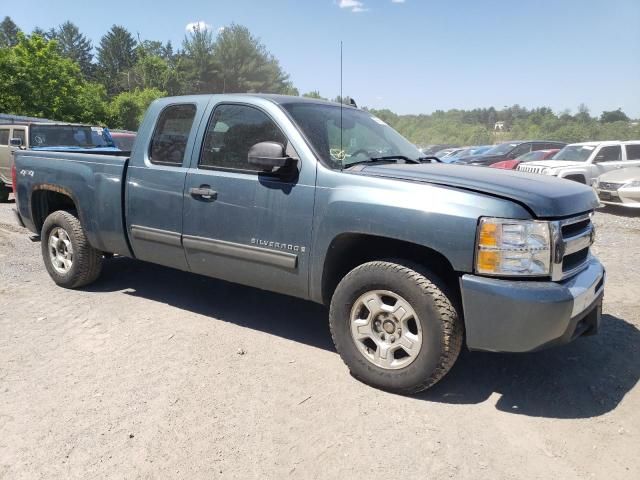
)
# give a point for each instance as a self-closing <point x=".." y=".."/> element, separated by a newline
<point x="4" y="194"/>
<point x="395" y="327"/>
<point x="69" y="258"/>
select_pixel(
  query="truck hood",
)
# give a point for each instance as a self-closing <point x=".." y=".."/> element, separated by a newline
<point x="554" y="164"/>
<point x="545" y="196"/>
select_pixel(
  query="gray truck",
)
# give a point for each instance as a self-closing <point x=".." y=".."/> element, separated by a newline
<point x="327" y="203"/>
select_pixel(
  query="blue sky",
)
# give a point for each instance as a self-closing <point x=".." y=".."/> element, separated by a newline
<point x="412" y="56"/>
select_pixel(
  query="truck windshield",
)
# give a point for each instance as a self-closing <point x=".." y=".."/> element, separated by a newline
<point x="575" y="153"/>
<point x="363" y="137"/>
<point x="74" y="136"/>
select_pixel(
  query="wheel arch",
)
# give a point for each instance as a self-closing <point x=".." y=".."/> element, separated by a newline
<point x="348" y="250"/>
<point x="48" y="198"/>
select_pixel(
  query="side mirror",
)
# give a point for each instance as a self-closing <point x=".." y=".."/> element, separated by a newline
<point x="269" y="155"/>
<point x="15" y="142"/>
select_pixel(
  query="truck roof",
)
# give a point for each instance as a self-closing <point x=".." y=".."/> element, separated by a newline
<point x="275" y="98"/>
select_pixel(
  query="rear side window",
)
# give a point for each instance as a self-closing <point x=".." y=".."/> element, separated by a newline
<point x="520" y="150"/>
<point x="169" y="141"/>
<point x="4" y="136"/>
<point x="633" y="152"/>
<point x="232" y="131"/>
<point x="609" y="154"/>
<point x="19" y="134"/>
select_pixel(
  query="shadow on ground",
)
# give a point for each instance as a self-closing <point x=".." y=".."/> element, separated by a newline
<point x="584" y="379"/>
<point x="620" y="211"/>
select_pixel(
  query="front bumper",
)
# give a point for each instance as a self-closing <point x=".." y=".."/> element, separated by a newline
<point x="522" y="316"/>
<point x="625" y="197"/>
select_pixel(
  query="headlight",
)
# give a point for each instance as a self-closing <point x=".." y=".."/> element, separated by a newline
<point x="513" y="247"/>
<point x="633" y="184"/>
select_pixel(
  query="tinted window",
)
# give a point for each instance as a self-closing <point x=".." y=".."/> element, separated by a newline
<point x="520" y="150"/>
<point x="609" y="154"/>
<point x="232" y="131"/>
<point x="19" y="134"/>
<point x="4" y="136"/>
<point x="169" y="141"/>
<point x="633" y="152"/>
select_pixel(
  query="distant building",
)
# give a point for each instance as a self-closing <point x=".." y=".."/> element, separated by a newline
<point x="499" y="126"/>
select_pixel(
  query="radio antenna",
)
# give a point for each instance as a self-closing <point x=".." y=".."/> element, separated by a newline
<point x="342" y="155"/>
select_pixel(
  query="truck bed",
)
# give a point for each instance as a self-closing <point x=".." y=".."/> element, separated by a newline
<point x="95" y="183"/>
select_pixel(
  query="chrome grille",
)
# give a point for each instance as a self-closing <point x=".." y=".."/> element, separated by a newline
<point x="609" y="186"/>
<point x="529" y="168"/>
<point x="571" y="241"/>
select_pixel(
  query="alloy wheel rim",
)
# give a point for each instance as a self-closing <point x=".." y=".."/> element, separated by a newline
<point x="385" y="329"/>
<point x="60" y="250"/>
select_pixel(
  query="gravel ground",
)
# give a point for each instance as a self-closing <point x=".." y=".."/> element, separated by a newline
<point x="154" y="373"/>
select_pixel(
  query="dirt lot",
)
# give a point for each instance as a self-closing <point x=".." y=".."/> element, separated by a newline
<point x="154" y="373"/>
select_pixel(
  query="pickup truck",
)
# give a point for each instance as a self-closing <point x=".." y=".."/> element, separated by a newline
<point x="328" y="203"/>
<point x="585" y="162"/>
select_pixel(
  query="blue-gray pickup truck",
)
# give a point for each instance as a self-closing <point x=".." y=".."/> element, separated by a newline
<point x="328" y="203"/>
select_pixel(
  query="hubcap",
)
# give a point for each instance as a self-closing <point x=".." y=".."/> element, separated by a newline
<point x="60" y="250"/>
<point x="386" y="329"/>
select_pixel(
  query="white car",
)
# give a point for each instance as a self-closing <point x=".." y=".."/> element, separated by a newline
<point x="620" y="187"/>
<point x="585" y="162"/>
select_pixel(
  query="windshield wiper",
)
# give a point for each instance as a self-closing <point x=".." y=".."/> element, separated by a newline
<point x="383" y="159"/>
<point x="430" y="159"/>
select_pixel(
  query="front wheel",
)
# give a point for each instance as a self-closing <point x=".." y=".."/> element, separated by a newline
<point x="69" y="258"/>
<point x="394" y="326"/>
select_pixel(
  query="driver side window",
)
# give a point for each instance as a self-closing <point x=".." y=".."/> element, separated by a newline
<point x="609" y="154"/>
<point x="232" y="131"/>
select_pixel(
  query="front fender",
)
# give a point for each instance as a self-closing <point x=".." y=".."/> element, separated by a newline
<point x="441" y="218"/>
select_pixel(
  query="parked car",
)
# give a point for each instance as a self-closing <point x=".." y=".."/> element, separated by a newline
<point x="585" y="162"/>
<point x="467" y="151"/>
<point x="46" y="136"/>
<point x="527" y="157"/>
<point x="509" y="151"/>
<point x="412" y="258"/>
<point x="447" y="153"/>
<point x="430" y="150"/>
<point x="620" y="187"/>
<point x="123" y="139"/>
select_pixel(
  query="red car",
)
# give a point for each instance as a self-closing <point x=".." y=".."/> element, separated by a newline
<point x="527" y="157"/>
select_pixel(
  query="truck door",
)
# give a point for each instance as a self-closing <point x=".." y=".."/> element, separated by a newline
<point x="155" y="183"/>
<point x="607" y="158"/>
<point x="241" y="224"/>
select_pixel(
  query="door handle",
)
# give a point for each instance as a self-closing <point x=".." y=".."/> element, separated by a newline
<point x="204" y="192"/>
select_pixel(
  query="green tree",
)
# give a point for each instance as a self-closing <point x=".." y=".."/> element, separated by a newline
<point x="75" y="46"/>
<point x="8" y="33"/>
<point x="197" y="63"/>
<point x="37" y="81"/>
<point x="314" y="94"/>
<point x="127" y="109"/>
<point x="116" y="56"/>
<point x="614" y="116"/>
<point x="245" y="65"/>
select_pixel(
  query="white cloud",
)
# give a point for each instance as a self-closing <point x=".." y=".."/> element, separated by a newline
<point x="199" y="25"/>
<point x="398" y="1"/>
<point x="354" y="5"/>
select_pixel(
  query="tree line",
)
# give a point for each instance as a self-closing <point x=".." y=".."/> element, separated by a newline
<point x="59" y="74"/>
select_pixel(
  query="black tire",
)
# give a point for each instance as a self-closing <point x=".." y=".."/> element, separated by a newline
<point x="440" y="323"/>
<point x="87" y="261"/>
<point x="4" y="194"/>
